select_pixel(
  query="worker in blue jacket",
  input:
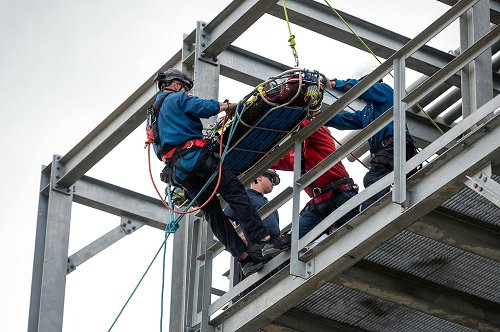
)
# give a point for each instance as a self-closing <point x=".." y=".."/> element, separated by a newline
<point x="260" y="187"/>
<point x="379" y="98"/>
<point x="190" y="162"/>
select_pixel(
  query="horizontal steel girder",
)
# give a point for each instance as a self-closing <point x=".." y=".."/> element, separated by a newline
<point x="320" y="18"/>
<point x="460" y="231"/>
<point x="494" y="9"/>
<point x="120" y="201"/>
<point x="421" y="295"/>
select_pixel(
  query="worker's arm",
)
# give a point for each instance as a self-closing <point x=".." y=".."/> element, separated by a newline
<point x="346" y="121"/>
<point x="377" y="93"/>
<point x="198" y="107"/>
<point x="285" y="163"/>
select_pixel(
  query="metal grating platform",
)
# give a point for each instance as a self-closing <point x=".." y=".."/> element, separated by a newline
<point x="470" y="203"/>
<point x="369" y="313"/>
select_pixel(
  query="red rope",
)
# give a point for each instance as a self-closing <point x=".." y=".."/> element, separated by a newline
<point x="216" y="186"/>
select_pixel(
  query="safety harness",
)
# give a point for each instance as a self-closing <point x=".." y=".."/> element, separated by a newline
<point x="332" y="189"/>
<point x="152" y="131"/>
<point x="169" y="154"/>
<point x="389" y="143"/>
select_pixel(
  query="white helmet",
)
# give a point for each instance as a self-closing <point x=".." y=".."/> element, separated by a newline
<point x="362" y="70"/>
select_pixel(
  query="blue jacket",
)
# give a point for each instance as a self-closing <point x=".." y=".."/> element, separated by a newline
<point x="271" y="222"/>
<point x="379" y="98"/>
<point x="179" y="121"/>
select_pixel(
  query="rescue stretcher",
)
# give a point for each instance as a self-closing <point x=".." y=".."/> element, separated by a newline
<point x="267" y="115"/>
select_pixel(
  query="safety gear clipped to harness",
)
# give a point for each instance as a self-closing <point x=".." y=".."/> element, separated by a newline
<point x="152" y="134"/>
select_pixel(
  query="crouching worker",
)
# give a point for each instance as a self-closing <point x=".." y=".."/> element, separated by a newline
<point x="330" y="190"/>
<point x="190" y="162"/>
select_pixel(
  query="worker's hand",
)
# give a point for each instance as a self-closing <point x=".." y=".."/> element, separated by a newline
<point x="230" y="108"/>
<point x="331" y="83"/>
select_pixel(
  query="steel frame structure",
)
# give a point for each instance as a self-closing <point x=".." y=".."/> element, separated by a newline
<point x="468" y="154"/>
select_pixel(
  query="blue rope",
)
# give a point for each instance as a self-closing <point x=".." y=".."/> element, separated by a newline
<point x="173" y="225"/>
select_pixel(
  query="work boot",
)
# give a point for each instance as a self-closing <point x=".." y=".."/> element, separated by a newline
<point x="254" y="261"/>
<point x="274" y="246"/>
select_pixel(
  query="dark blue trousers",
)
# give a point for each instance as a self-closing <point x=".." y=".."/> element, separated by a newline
<point x="312" y="214"/>
<point x="234" y="193"/>
<point x="381" y="165"/>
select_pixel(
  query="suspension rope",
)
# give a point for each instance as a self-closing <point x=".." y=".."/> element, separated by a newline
<point x="376" y="58"/>
<point x="291" y="39"/>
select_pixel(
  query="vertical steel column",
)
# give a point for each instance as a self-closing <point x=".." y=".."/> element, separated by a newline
<point x="399" y="192"/>
<point x="178" y="288"/>
<point x="36" y="279"/>
<point x="477" y="82"/>
<point x="206" y="278"/>
<point x="51" y="257"/>
<point x="193" y="273"/>
<point x="206" y="71"/>
<point x="297" y="267"/>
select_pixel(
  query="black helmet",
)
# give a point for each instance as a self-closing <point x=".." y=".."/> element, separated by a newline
<point x="166" y="77"/>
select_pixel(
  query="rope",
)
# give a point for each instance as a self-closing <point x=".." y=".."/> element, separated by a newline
<point x="376" y="58"/>
<point x="173" y="225"/>
<point x="291" y="39"/>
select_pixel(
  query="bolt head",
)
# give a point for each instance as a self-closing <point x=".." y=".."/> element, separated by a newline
<point x="202" y="54"/>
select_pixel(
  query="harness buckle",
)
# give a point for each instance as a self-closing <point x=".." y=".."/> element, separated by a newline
<point x="189" y="146"/>
<point x="316" y="191"/>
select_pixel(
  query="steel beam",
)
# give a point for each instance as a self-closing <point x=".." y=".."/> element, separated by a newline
<point x="442" y="179"/>
<point x="120" y="201"/>
<point x="229" y="24"/>
<point x="111" y="131"/>
<point x="319" y="18"/>
<point x="38" y="258"/>
<point x="180" y="272"/>
<point x="56" y="227"/>
<point x="127" y="226"/>
<point x="422" y="295"/>
<point x="494" y="9"/>
<point x="476" y="76"/>
<point x="465" y="57"/>
<point x="484" y="185"/>
<point x="297" y="320"/>
<point x="459" y="231"/>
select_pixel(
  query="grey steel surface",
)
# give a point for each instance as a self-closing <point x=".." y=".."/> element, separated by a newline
<point x="55" y="243"/>
<point x="318" y="17"/>
<point x="471" y="204"/>
<point x="38" y="258"/>
<point x="346" y="250"/>
<point x="370" y="313"/>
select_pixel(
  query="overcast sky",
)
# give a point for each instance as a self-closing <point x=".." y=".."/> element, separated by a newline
<point x="64" y="66"/>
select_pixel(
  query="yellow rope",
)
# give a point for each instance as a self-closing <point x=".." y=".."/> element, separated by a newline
<point x="376" y="58"/>
<point x="291" y="39"/>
